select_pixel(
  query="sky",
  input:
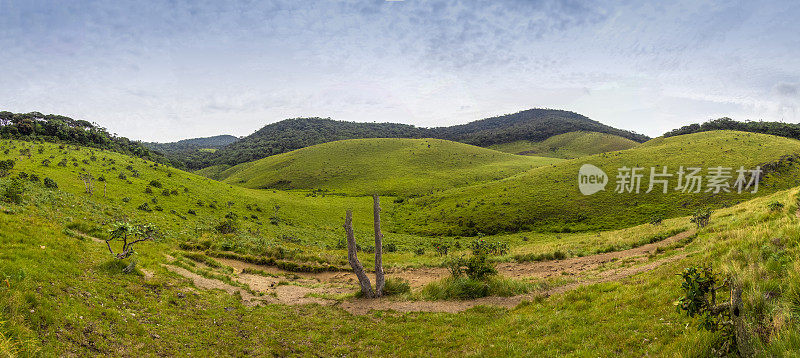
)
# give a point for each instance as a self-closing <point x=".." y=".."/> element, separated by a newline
<point x="170" y="70"/>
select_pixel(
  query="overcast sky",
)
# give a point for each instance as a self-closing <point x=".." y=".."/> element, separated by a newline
<point x="175" y="69"/>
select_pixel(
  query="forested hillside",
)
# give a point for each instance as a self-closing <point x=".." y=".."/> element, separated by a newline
<point x="781" y="129"/>
<point x="61" y="129"/>
<point x="531" y="125"/>
<point x="190" y="150"/>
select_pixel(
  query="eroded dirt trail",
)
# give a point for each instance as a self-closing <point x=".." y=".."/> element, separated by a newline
<point x="278" y="286"/>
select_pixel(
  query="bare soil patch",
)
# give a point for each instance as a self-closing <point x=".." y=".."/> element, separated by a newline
<point x="318" y="288"/>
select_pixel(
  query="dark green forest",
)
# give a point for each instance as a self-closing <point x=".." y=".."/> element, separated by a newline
<point x="61" y="129"/>
<point x="291" y="134"/>
<point x="788" y="130"/>
<point x="534" y="125"/>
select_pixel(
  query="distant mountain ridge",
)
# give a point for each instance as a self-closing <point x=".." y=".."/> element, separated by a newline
<point x="534" y="125"/>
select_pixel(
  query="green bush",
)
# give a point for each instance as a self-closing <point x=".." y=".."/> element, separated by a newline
<point x="6" y="165"/>
<point x="465" y="288"/>
<point x="396" y="286"/>
<point x="12" y="191"/>
<point x="144" y="207"/>
<point x="155" y="184"/>
<point x="50" y="183"/>
<point x="775" y="206"/>
<point x="701" y="217"/>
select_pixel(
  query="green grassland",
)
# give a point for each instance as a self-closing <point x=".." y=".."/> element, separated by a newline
<point x="384" y="166"/>
<point x="568" y="145"/>
<point x="63" y="295"/>
<point x="547" y="198"/>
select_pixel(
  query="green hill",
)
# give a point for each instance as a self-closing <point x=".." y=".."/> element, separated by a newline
<point x="534" y="125"/>
<point x="62" y="294"/>
<point x="384" y="166"/>
<point x="290" y="134"/>
<point x="547" y="198"/>
<point x="568" y="145"/>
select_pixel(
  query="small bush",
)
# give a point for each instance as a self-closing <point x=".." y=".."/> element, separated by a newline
<point x="701" y="217"/>
<point x="122" y="176"/>
<point x="465" y="288"/>
<point x="6" y="165"/>
<point x="656" y="220"/>
<point x="147" y="190"/>
<point x="390" y="247"/>
<point x="50" y="183"/>
<point x="775" y="206"/>
<point x="396" y="286"/>
<point x="144" y="207"/>
<point x="12" y="191"/>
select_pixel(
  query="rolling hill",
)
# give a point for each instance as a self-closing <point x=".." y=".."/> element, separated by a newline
<point x="384" y="166"/>
<point x="534" y="125"/>
<point x="568" y="145"/>
<point x="63" y="294"/>
<point x="287" y="135"/>
<point x="547" y="198"/>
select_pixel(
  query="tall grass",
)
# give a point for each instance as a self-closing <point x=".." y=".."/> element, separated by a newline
<point x="465" y="288"/>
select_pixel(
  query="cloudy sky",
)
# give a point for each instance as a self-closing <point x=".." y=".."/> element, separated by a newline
<point x="177" y="69"/>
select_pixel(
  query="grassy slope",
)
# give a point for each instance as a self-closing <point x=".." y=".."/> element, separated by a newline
<point x="547" y="198"/>
<point x="64" y="297"/>
<point x="385" y="166"/>
<point x="60" y="295"/>
<point x="569" y="145"/>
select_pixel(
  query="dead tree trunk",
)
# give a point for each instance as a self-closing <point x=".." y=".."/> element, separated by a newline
<point x="380" y="280"/>
<point x="366" y="286"/>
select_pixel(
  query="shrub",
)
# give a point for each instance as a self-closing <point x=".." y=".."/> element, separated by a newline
<point x="441" y="248"/>
<point x="656" y="220"/>
<point x="33" y="178"/>
<point x="122" y="176"/>
<point x="6" y="165"/>
<point x="465" y="288"/>
<point x="147" y="190"/>
<point x="50" y="183"/>
<point x="126" y="199"/>
<point x="155" y="184"/>
<point x="419" y="251"/>
<point x="227" y="226"/>
<point x="192" y="212"/>
<point x="165" y="192"/>
<point x="396" y="286"/>
<point x="390" y="247"/>
<point x="12" y="191"/>
<point x="701" y="217"/>
<point x="144" y="207"/>
<point x="775" y="206"/>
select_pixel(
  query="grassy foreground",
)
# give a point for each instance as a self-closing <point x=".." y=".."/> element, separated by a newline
<point x="61" y="294"/>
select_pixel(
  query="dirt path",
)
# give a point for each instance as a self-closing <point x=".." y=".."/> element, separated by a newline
<point x="322" y="288"/>
<point x="208" y="283"/>
<point x="364" y="306"/>
<point x="303" y="288"/>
